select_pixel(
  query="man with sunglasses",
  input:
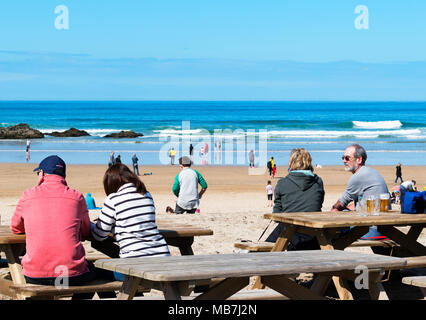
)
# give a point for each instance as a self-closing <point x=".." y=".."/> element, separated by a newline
<point x="364" y="182"/>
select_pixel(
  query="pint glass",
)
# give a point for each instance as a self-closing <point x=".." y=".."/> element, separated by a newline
<point x="384" y="202"/>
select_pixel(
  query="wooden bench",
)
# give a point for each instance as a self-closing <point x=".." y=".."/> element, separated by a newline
<point x="35" y="291"/>
<point x="418" y="282"/>
<point x="261" y="246"/>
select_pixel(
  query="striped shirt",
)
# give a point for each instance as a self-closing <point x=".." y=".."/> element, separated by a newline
<point x="130" y="216"/>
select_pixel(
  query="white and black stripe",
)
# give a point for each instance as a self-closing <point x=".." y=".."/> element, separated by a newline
<point x="131" y="217"/>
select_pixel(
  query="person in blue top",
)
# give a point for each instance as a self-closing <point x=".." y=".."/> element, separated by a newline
<point x="135" y="164"/>
<point x="91" y="205"/>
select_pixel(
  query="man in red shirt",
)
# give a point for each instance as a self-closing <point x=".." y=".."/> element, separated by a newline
<point x="54" y="218"/>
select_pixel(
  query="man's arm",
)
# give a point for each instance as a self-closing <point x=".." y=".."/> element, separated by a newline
<point x="17" y="224"/>
<point x="176" y="186"/>
<point x="202" y="183"/>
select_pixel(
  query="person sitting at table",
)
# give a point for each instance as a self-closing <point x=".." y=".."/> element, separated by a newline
<point x="129" y="213"/>
<point x="300" y="191"/>
<point x="54" y="218"/>
<point x="364" y="182"/>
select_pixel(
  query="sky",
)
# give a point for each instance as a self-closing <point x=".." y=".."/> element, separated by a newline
<point x="217" y="50"/>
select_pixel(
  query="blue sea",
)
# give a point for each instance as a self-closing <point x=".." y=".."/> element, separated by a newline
<point x="391" y="132"/>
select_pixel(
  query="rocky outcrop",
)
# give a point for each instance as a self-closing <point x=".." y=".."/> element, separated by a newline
<point x="20" y="131"/>
<point x="124" y="134"/>
<point x="72" y="132"/>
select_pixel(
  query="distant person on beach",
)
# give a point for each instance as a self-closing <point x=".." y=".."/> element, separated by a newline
<point x="398" y="173"/>
<point x="54" y="218"/>
<point x="111" y="160"/>
<point x="172" y="154"/>
<point x="251" y="158"/>
<point x="270" y="166"/>
<point x="129" y="213"/>
<point x="409" y="185"/>
<point x="364" y="182"/>
<point x="274" y="171"/>
<point x="191" y="151"/>
<point x="90" y="202"/>
<point x="135" y="164"/>
<point x="300" y="191"/>
<point x="269" y="193"/>
<point x="185" y="187"/>
<point x="118" y="159"/>
<point x="27" y="150"/>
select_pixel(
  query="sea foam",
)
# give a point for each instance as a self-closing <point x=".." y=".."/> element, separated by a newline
<point x="378" y="124"/>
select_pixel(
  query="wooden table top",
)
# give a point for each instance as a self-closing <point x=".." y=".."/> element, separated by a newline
<point x="345" y="219"/>
<point x="196" y="267"/>
<point x="167" y="229"/>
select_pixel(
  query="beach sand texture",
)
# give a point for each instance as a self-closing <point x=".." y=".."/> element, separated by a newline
<point x="233" y="206"/>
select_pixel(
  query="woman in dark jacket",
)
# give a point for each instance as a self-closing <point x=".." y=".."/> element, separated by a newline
<point x="300" y="191"/>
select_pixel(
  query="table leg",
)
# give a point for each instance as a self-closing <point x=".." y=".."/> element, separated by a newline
<point x="375" y="287"/>
<point x="12" y="255"/>
<point x="325" y="243"/>
<point x="321" y="283"/>
<point x="290" y="288"/>
<point x="287" y="233"/>
<point x="224" y="289"/>
<point x="407" y="241"/>
<point x="183" y="243"/>
<point x="171" y="291"/>
<point x="129" y="288"/>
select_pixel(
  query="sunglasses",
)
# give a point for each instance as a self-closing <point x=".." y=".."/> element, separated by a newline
<point x="346" y="158"/>
<point x="37" y="172"/>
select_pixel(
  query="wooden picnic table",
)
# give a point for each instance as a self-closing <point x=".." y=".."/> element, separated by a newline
<point x="327" y="226"/>
<point x="13" y="246"/>
<point x="173" y="274"/>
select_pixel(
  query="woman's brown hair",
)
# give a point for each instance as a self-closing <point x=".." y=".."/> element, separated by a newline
<point x="118" y="175"/>
<point x="300" y="159"/>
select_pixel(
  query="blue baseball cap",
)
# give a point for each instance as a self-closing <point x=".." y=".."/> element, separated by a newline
<point x="52" y="165"/>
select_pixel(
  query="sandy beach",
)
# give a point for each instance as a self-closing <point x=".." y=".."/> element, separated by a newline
<point x="232" y="207"/>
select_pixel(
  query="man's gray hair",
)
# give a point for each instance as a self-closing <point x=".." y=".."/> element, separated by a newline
<point x="359" y="152"/>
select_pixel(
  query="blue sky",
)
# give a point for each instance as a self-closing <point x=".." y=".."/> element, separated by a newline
<point x="217" y="50"/>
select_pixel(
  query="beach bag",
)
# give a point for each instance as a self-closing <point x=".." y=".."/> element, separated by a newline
<point x="414" y="202"/>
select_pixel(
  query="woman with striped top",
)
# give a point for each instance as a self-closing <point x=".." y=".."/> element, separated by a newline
<point x="129" y="213"/>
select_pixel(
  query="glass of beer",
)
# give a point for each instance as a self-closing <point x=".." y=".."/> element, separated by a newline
<point x="372" y="205"/>
<point x="384" y="202"/>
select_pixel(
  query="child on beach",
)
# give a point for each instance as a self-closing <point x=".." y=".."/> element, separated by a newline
<point x="269" y="192"/>
<point x="274" y="170"/>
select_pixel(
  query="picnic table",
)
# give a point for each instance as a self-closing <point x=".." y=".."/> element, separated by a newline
<point x="13" y="246"/>
<point x="326" y="226"/>
<point x="173" y="274"/>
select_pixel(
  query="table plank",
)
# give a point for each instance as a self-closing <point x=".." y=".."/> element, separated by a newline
<point x="343" y="219"/>
<point x="180" y="268"/>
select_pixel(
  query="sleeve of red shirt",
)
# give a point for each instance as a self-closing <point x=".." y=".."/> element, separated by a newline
<point x="85" y="220"/>
<point x="17" y="224"/>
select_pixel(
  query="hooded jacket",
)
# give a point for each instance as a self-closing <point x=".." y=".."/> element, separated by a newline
<point x="299" y="192"/>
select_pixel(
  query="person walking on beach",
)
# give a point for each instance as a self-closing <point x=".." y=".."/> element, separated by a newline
<point x="191" y="151"/>
<point x="399" y="173"/>
<point x="135" y="164"/>
<point x="185" y="187"/>
<point x="269" y="193"/>
<point x="27" y="150"/>
<point x="270" y="166"/>
<point x="118" y="159"/>
<point x="274" y="171"/>
<point x="172" y="154"/>
<point x="251" y="159"/>
<point x="111" y="160"/>
<point x="54" y="218"/>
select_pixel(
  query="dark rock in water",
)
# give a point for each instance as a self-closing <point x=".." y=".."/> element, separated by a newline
<point x="124" y="134"/>
<point x="20" y="131"/>
<point x="72" y="132"/>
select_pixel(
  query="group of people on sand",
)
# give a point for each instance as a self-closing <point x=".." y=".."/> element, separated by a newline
<point x="53" y="240"/>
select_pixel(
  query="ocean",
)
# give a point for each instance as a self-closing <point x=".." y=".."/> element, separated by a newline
<point x="391" y="132"/>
